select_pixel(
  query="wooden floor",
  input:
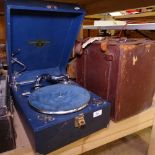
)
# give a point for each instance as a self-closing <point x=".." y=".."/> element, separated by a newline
<point x="131" y="145"/>
<point x="135" y="144"/>
<point x="127" y="137"/>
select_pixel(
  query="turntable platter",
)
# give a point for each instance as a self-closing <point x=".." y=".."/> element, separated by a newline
<point x="59" y="99"/>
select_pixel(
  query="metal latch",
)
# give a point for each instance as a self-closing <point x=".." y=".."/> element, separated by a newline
<point x="80" y="121"/>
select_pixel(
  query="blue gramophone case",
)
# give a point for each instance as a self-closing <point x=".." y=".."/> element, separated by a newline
<point x="40" y="38"/>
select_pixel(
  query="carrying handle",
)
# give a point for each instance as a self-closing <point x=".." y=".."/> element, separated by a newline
<point x="104" y="47"/>
<point x="81" y="45"/>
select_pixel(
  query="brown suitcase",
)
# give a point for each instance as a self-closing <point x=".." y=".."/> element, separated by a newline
<point x="124" y="74"/>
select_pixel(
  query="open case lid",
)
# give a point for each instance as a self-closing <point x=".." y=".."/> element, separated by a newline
<point x="40" y="36"/>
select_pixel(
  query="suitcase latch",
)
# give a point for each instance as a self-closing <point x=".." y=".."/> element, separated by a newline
<point x="80" y="121"/>
<point x="109" y="57"/>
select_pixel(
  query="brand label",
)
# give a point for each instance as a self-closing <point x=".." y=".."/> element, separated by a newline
<point x="97" y="113"/>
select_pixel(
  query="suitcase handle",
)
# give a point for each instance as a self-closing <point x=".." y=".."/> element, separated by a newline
<point x="78" y="46"/>
<point x="105" y="50"/>
<point x="81" y="45"/>
<point x="108" y="57"/>
<point x="104" y="47"/>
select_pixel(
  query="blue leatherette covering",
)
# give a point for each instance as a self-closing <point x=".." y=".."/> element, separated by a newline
<point x="41" y="35"/>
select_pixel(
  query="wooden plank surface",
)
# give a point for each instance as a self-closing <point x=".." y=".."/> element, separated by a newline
<point x="151" y="150"/>
<point x="146" y="26"/>
<point x="104" y="136"/>
<point x="101" y="6"/>
<point x="146" y="17"/>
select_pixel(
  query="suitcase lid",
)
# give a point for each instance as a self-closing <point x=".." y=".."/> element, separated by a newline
<point x="40" y="37"/>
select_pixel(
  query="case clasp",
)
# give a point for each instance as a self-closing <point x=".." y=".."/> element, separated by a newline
<point x="80" y="121"/>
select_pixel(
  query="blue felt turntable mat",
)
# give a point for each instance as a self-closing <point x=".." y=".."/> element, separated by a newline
<point x="59" y="99"/>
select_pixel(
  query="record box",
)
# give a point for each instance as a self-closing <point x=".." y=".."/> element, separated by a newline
<point x="54" y="110"/>
<point x="7" y="134"/>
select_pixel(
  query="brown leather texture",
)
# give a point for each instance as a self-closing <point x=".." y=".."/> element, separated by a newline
<point x="125" y="75"/>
